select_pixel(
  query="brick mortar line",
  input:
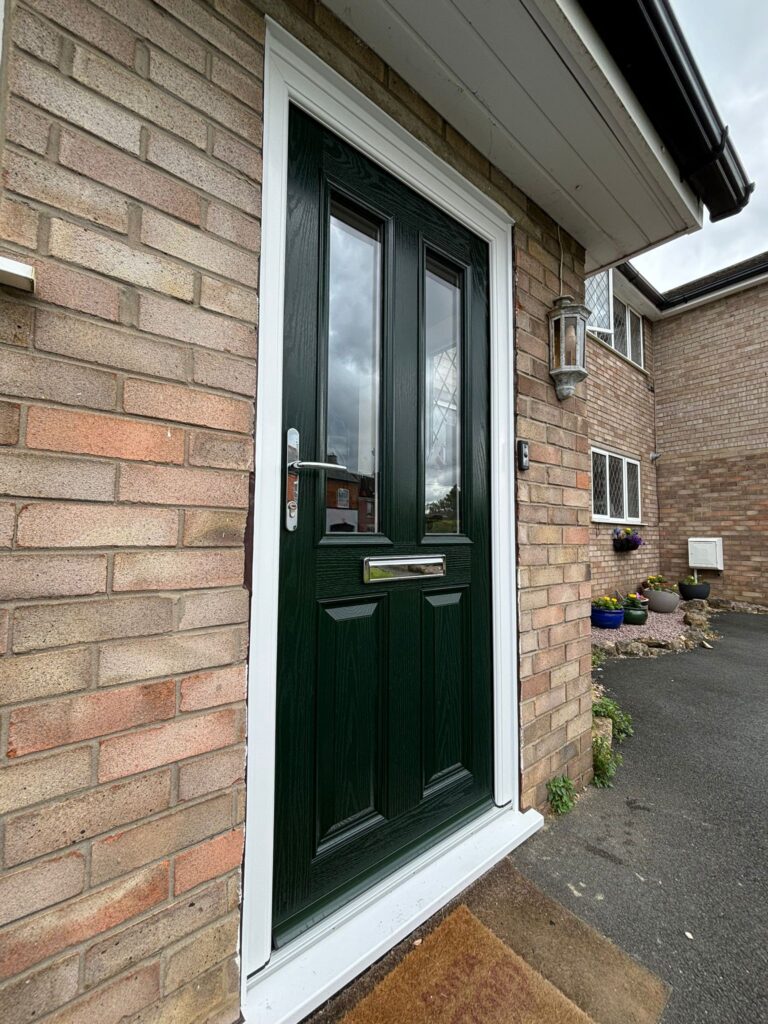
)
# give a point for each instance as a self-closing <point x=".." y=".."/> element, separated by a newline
<point x="46" y="306"/>
<point x="129" y="237"/>
<point x="92" y="689"/>
<point x="81" y="948"/>
<point x="67" y="36"/>
<point x="146" y="637"/>
<point x="84" y="846"/>
<point x="79" y="132"/>
<point x="230" y="169"/>
<point x="31" y="401"/>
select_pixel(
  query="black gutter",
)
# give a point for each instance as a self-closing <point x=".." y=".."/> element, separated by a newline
<point x="645" y="40"/>
<point x="739" y="273"/>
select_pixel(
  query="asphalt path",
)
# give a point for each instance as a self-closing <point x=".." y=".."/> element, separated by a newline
<point x="672" y="863"/>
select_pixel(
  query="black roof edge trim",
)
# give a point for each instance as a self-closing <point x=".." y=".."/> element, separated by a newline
<point x="739" y="273"/>
<point x="648" y="45"/>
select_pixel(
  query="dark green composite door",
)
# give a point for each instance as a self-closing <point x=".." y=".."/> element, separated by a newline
<point x="384" y="716"/>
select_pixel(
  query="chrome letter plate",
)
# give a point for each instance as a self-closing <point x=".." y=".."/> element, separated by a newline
<point x="411" y="567"/>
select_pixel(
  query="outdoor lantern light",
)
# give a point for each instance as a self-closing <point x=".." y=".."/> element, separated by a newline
<point x="567" y="345"/>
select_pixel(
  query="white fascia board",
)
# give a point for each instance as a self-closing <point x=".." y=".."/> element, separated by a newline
<point x="524" y="87"/>
<point x="601" y="74"/>
<point x="703" y="300"/>
<point x="630" y="294"/>
<point x="633" y="297"/>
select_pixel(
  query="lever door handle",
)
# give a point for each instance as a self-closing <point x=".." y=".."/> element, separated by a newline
<point x="299" y="464"/>
<point x="293" y="465"/>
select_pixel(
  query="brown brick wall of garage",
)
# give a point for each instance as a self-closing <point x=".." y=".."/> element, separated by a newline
<point x="620" y="402"/>
<point x="132" y="166"/>
<point x="711" y="400"/>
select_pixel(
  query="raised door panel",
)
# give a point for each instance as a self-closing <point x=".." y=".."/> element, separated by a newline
<point x="446" y="701"/>
<point x="351" y="666"/>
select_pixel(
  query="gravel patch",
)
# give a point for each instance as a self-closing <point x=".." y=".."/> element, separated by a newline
<point x="660" y="626"/>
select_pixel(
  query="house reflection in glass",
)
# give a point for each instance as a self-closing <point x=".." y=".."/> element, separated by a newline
<point x="350" y="502"/>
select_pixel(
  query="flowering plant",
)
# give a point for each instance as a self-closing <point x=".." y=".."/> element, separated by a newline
<point x="633" y="601"/>
<point x="610" y="604"/>
<point x="626" y="539"/>
<point x="659" y="583"/>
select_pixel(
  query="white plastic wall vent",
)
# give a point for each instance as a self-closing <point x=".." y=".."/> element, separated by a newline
<point x="705" y="552"/>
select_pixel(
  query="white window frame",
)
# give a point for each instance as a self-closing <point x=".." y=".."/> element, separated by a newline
<point x="283" y="986"/>
<point x="607" y="336"/>
<point x="625" y="460"/>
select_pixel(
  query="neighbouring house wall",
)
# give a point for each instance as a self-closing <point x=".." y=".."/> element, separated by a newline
<point x="712" y="431"/>
<point x="621" y="411"/>
<point x="132" y="170"/>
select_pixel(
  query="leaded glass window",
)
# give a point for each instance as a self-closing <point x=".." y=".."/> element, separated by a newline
<point x="615" y="488"/>
<point x="619" y="326"/>
<point x="612" y="320"/>
<point x="599" y="485"/>
<point x="633" y="490"/>
<point x="597" y="297"/>
<point x="635" y="337"/>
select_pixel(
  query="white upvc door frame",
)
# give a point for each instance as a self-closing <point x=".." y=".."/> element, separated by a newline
<point x="293" y="74"/>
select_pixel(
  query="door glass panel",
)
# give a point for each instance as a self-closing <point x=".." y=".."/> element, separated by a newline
<point x="354" y="356"/>
<point x="442" y="399"/>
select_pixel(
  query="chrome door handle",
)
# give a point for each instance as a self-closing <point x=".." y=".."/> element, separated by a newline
<point x="299" y="464"/>
<point x="293" y="464"/>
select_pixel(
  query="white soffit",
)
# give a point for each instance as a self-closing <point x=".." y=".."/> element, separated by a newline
<point x="529" y="83"/>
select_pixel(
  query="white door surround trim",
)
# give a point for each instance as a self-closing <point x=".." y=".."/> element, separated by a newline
<point x="293" y="74"/>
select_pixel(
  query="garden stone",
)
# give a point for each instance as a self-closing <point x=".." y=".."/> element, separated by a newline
<point x="697" y="619"/>
<point x="603" y="727"/>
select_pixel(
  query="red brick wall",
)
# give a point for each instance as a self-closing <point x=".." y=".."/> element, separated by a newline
<point x="711" y="400"/>
<point x="621" y="411"/>
<point x="130" y="173"/>
<point x="131" y="181"/>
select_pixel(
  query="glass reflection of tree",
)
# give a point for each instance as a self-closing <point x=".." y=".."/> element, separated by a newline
<point x="442" y="515"/>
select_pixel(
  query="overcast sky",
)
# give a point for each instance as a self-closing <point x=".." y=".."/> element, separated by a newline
<point x="729" y="40"/>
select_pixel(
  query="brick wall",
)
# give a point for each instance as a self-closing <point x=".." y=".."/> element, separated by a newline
<point x="130" y="175"/>
<point x="131" y="181"/>
<point x="711" y="397"/>
<point x="621" y="410"/>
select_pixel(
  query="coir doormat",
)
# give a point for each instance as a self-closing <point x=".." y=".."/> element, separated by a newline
<point x="463" y="974"/>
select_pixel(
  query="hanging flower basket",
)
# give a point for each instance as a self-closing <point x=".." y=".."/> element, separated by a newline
<point x="626" y="539"/>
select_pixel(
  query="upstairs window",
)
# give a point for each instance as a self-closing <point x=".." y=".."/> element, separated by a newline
<point x="615" y="488"/>
<point x="612" y="320"/>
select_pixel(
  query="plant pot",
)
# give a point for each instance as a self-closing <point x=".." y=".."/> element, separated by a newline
<point x="694" y="591"/>
<point x="635" y="616"/>
<point x="606" y="618"/>
<point x="662" y="600"/>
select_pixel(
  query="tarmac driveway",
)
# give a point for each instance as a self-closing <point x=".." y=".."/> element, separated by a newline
<point x="680" y="844"/>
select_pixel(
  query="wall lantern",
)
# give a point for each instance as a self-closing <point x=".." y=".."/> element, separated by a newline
<point x="567" y="345"/>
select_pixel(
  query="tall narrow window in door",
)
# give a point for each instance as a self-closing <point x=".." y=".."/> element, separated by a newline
<point x="354" y="355"/>
<point x="442" y="399"/>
